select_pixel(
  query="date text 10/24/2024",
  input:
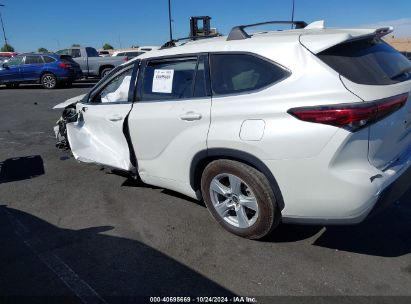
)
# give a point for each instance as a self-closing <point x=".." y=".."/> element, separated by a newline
<point x="235" y="299"/>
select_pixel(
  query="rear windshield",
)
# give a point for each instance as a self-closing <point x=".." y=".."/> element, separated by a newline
<point x="67" y="58"/>
<point x="368" y="61"/>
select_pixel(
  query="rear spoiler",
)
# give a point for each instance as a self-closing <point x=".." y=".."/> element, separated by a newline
<point x="317" y="41"/>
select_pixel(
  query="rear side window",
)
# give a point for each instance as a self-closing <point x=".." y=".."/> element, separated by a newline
<point x="239" y="73"/>
<point x="169" y="79"/>
<point x="48" y="59"/>
<point x="33" y="60"/>
<point x="368" y="61"/>
<point x="91" y="52"/>
<point x="121" y="54"/>
<point x="134" y="54"/>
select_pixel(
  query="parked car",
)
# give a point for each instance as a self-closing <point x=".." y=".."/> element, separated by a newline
<point x="136" y="52"/>
<point x="8" y="54"/>
<point x="309" y="125"/>
<point x="91" y="63"/>
<point x="50" y="70"/>
<point x="104" y="53"/>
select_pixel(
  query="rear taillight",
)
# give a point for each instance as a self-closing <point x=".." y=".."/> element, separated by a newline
<point x="63" y="65"/>
<point x="353" y="116"/>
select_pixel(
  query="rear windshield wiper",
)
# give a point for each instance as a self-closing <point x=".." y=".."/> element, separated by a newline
<point x="401" y="73"/>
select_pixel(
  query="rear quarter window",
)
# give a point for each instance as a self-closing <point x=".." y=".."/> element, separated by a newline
<point x="48" y="59"/>
<point x="368" y="61"/>
<point x="241" y="73"/>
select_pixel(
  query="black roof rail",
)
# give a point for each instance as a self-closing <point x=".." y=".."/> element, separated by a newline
<point x="238" y="32"/>
<point x="172" y="43"/>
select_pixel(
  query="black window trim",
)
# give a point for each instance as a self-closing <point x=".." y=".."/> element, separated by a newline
<point x="134" y="66"/>
<point x="287" y="73"/>
<point x="182" y="57"/>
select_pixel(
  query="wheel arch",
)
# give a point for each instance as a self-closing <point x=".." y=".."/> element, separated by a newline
<point x="203" y="158"/>
<point x="106" y="66"/>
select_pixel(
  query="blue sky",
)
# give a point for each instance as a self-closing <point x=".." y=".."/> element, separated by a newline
<point x="53" y="24"/>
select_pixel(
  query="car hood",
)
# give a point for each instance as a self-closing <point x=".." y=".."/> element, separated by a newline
<point x="68" y="102"/>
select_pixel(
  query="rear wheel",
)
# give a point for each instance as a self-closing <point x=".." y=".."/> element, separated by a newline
<point x="104" y="72"/>
<point x="49" y="81"/>
<point x="240" y="198"/>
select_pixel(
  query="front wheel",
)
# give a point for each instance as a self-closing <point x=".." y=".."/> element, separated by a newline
<point x="240" y="198"/>
<point x="49" y="81"/>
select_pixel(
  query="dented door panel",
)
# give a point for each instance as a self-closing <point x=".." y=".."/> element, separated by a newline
<point x="97" y="136"/>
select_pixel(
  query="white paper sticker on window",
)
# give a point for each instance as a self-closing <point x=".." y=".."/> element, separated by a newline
<point x="163" y="81"/>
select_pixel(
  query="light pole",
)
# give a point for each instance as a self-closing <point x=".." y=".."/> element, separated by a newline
<point x="169" y="19"/>
<point x="2" y="25"/>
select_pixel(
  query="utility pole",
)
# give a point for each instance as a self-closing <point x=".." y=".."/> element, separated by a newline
<point x="169" y="19"/>
<point x="292" y="16"/>
<point x="2" y="25"/>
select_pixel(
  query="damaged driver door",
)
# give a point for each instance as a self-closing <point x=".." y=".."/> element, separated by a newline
<point x="98" y="134"/>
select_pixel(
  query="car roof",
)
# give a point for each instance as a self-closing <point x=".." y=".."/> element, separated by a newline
<point x="270" y="38"/>
<point x="274" y="45"/>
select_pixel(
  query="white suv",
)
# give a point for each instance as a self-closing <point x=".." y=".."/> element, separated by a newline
<point x="307" y="125"/>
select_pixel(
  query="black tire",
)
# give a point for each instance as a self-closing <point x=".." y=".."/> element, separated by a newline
<point x="104" y="72"/>
<point x="12" y="85"/>
<point x="268" y="212"/>
<point x="49" y="81"/>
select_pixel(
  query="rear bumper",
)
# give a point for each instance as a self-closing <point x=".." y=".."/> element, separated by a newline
<point x="342" y="189"/>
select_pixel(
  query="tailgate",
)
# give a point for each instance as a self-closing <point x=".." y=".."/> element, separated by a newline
<point x="374" y="71"/>
<point x="391" y="136"/>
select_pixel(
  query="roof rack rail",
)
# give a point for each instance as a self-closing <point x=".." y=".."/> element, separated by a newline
<point x="238" y="32"/>
<point x="172" y="43"/>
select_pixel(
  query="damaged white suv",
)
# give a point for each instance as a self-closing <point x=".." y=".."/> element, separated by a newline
<point x="307" y="125"/>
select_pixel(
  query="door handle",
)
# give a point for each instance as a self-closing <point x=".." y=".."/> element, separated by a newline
<point x="115" y="118"/>
<point x="190" y="116"/>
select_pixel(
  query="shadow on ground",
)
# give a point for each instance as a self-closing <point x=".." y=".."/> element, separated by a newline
<point x="110" y="265"/>
<point x="21" y="168"/>
<point x="386" y="234"/>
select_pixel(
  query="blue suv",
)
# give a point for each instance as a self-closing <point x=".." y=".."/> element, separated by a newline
<point x="50" y="70"/>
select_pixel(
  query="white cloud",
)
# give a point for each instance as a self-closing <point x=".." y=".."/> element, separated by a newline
<point x="402" y="27"/>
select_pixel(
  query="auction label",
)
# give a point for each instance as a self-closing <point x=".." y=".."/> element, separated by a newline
<point x="163" y="81"/>
<point x="203" y="299"/>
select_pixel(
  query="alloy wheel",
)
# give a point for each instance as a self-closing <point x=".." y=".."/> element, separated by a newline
<point x="234" y="200"/>
<point x="49" y="81"/>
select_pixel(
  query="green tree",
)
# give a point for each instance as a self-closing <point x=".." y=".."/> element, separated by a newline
<point x="42" y="50"/>
<point x="75" y="45"/>
<point x="107" y="46"/>
<point x="7" y="48"/>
